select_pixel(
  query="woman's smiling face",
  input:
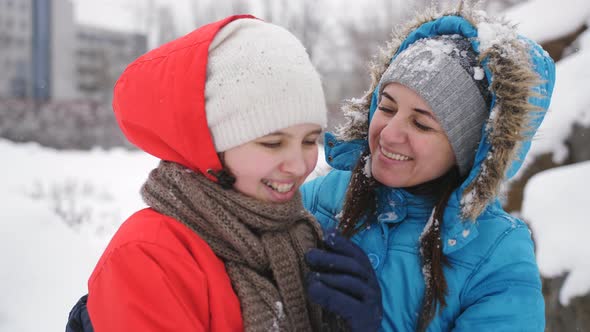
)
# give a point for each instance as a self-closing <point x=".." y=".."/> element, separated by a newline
<point x="408" y="145"/>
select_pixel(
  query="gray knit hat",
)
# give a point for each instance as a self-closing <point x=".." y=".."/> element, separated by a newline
<point x="444" y="71"/>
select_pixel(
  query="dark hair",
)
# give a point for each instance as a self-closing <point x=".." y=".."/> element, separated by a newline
<point x="224" y="177"/>
<point x="360" y="207"/>
<point x="360" y="201"/>
<point x="433" y="259"/>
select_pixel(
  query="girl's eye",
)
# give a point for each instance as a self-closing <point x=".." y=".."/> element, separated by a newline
<point x="270" y="145"/>
<point x="421" y="126"/>
<point x="310" y="142"/>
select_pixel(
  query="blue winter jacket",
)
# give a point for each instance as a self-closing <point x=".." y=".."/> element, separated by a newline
<point x="493" y="279"/>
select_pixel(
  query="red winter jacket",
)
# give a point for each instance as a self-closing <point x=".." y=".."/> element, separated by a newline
<point x="156" y="274"/>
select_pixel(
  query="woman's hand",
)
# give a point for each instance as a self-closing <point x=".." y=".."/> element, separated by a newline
<point x="343" y="281"/>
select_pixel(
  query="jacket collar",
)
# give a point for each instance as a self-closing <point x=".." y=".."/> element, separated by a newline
<point x="397" y="205"/>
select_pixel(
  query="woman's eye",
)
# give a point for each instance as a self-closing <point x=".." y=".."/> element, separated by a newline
<point x="421" y="126"/>
<point x="386" y="110"/>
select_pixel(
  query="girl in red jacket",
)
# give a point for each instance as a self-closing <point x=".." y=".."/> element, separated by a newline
<point x="234" y="111"/>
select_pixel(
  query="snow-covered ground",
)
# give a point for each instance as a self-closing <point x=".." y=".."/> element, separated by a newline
<point x="45" y="261"/>
<point x="59" y="210"/>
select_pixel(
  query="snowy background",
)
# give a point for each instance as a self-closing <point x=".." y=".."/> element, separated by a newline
<point x="60" y="208"/>
<point x="555" y="201"/>
<point x="45" y="261"/>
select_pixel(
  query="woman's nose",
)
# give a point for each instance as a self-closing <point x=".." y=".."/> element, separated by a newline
<point x="395" y="131"/>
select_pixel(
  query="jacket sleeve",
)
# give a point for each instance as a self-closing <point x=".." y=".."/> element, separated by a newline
<point x="145" y="287"/>
<point x="504" y="292"/>
<point x="323" y="197"/>
<point x="78" y="319"/>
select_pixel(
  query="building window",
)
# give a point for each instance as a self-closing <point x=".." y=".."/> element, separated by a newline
<point x="18" y="83"/>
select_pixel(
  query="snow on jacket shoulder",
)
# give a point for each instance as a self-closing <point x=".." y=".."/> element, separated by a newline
<point x="158" y="275"/>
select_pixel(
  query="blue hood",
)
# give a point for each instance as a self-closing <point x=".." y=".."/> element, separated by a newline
<point x="521" y="76"/>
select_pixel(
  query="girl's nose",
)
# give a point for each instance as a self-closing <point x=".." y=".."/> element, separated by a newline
<point x="295" y="163"/>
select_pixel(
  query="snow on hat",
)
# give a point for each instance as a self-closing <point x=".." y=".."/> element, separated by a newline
<point x="444" y="71"/>
<point x="259" y="80"/>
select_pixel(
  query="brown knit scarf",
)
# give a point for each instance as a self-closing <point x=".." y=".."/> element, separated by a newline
<point x="262" y="244"/>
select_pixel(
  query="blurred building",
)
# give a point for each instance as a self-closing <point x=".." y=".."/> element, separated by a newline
<point x="62" y="48"/>
<point x="16" y="30"/>
<point x="101" y="56"/>
<point x="45" y="55"/>
<point x="52" y="49"/>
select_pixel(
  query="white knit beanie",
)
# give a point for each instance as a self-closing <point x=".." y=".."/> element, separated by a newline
<point x="259" y="80"/>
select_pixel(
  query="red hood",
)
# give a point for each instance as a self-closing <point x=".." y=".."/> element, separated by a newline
<point x="159" y="100"/>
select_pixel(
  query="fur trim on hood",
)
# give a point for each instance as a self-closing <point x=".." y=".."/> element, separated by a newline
<point x="520" y="97"/>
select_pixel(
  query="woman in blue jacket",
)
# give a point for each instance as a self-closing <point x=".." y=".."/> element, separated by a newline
<point x="418" y="167"/>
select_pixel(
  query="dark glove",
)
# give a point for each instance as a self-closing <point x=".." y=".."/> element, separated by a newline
<point x="78" y="320"/>
<point x="343" y="282"/>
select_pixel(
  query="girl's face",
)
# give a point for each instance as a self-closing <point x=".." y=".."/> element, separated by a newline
<point x="271" y="168"/>
<point x="408" y="145"/>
